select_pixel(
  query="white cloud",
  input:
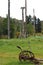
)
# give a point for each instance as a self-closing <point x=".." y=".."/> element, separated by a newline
<point x="16" y="5"/>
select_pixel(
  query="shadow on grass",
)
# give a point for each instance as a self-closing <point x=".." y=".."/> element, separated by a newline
<point x="20" y="63"/>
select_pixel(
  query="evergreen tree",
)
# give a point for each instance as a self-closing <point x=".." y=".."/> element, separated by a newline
<point x="39" y="25"/>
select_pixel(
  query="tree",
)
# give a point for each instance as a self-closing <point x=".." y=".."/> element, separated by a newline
<point x="28" y="19"/>
<point x="39" y="25"/>
<point x="1" y="26"/>
<point x="5" y="27"/>
<point x="30" y="29"/>
<point x="12" y="28"/>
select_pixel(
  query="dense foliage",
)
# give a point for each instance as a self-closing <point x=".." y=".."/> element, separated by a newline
<point x="35" y="22"/>
<point x="16" y="27"/>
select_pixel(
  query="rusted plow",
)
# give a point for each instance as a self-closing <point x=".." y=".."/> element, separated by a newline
<point x="28" y="55"/>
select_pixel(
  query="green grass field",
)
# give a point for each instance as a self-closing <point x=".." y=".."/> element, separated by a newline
<point x="9" y="52"/>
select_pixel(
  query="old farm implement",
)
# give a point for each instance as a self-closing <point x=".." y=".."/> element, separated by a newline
<point x="27" y="55"/>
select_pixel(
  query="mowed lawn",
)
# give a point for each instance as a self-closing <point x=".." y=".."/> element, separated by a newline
<point x="9" y="52"/>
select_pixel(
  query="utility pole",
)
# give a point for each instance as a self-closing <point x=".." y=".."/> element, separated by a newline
<point x="33" y="12"/>
<point x="23" y="21"/>
<point x="34" y="19"/>
<point x="25" y="16"/>
<point x="25" y="9"/>
<point x="8" y="19"/>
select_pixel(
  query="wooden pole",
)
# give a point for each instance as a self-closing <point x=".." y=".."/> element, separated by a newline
<point x="25" y="9"/>
<point x="8" y="19"/>
<point x="25" y="17"/>
<point x="23" y="21"/>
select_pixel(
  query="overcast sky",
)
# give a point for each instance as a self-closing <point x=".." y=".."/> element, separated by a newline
<point x="16" y="5"/>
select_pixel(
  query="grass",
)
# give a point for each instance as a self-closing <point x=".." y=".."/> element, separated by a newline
<point x="9" y="52"/>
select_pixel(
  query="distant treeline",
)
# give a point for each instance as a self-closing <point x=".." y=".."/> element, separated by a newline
<point x="16" y="27"/>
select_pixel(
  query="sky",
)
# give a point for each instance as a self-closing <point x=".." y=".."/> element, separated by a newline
<point x="15" y="8"/>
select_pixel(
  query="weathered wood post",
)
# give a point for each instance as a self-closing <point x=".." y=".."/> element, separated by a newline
<point x="23" y="21"/>
<point x="8" y="19"/>
<point x="25" y="16"/>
